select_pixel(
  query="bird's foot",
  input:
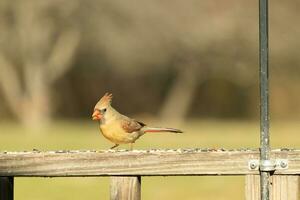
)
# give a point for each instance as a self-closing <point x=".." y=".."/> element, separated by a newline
<point x="116" y="145"/>
<point x="131" y="146"/>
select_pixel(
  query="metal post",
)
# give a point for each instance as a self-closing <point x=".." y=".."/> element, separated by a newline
<point x="264" y="97"/>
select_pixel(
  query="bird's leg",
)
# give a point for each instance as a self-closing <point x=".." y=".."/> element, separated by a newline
<point x="114" y="146"/>
<point x="131" y="146"/>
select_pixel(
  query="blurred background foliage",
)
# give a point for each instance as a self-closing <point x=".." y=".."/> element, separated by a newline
<point x="169" y="59"/>
<point x="191" y="64"/>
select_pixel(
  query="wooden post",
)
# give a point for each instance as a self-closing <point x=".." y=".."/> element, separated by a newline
<point x="252" y="187"/>
<point x="125" y="188"/>
<point x="283" y="187"/>
<point x="6" y="188"/>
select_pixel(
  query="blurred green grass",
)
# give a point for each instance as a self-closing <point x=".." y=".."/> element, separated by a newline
<point x="83" y="135"/>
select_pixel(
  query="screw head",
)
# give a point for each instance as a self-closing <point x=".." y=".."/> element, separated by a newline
<point x="283" y="164"/>
<point x="253" y="165"/>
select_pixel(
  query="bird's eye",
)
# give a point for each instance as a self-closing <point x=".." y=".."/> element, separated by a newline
<point x="104" y="110"/>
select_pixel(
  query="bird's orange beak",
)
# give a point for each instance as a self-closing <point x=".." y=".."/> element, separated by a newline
<point x="96" y="115"/>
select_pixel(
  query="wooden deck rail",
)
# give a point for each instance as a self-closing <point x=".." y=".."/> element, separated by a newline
<point x="127" y="167"/>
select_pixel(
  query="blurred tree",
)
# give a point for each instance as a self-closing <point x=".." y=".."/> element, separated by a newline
<point x="173" y="49"/>
<point x="38" y="42"/>
<point x="181" y="94"/>
<point x="193" y="38"/>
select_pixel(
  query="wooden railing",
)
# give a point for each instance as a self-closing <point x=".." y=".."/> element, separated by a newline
<point x="127" y="167"/>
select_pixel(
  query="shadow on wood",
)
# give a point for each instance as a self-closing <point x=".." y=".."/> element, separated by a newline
<point x="6" y="188"/>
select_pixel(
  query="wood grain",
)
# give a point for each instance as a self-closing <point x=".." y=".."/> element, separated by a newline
<point x="138" y="162"/>
<point x="125" y="188"/>
<point x="282" y="187"/>
<point x="252" y="187"/>
<point x="285" y="187"/>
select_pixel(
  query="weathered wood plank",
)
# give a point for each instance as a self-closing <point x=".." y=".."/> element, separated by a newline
<point x="125" y="188"/>
<point x="126" y="163"/>
<point x="293" y="157"/>
<point x="6" y="188"/>
<point x="135" y="163"/>
<point x="252" y="187"/>
<point x="283" y="187"/>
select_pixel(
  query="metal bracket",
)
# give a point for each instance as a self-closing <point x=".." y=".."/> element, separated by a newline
<point x="268" y="165"/>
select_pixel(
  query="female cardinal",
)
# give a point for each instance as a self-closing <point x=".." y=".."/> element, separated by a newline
<point x="118" y="128"/>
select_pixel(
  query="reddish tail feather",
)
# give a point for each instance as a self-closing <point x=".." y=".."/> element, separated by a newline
<point x="158" y="129"/>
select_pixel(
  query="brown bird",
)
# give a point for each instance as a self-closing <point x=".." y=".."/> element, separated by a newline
<point x="119" y="128"/>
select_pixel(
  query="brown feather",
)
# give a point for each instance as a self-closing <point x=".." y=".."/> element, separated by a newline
<point x="131" y="125"/>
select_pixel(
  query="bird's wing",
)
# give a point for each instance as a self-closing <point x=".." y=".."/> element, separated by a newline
<point x="131" y="125"/>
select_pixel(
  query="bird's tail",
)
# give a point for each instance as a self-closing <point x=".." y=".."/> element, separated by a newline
<point x="158" y="129"/>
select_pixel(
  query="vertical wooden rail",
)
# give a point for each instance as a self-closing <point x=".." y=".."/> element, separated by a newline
<point x="125" y="188"/>
<point x="283" y="187"/>
<point x="6" y="188"/>
<point x="252" y="187"/>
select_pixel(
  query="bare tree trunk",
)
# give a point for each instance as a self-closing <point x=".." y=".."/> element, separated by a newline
<point x="43" y="60"/>
<point x="178" y="100"/>
<point x="10" y="85"/>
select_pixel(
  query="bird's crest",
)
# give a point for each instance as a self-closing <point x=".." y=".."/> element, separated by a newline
<point x="105" y="100"/>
